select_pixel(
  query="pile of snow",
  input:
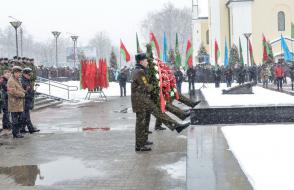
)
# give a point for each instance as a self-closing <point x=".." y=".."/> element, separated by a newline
<point x="265" y="153"/>
<point x="261" y="96"/>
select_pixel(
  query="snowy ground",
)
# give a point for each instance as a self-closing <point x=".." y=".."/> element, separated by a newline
<point x="261" y="96"/>
<point x="112" y="90"/>
<point x="265" y="153"/>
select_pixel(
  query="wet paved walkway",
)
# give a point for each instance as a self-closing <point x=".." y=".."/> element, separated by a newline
<point x="66" y="156"/>
<point x="91" y="146"/>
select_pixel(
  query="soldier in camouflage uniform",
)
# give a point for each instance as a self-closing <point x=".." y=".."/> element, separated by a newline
<point x="143" y="105"/>
<point x="177" y="111"/>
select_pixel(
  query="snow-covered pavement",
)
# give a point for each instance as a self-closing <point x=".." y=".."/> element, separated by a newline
<point x="265" y="154"/>
<point x="261" y="97"/>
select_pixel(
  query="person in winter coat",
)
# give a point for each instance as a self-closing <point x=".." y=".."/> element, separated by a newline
<point x="264" y="75"/>
<point x="279" y="75"/>
<point x="122" y="78"/>
<point x="179" y="80"/>
<point x="29" y="101"/>
<point x="16" y="95"/>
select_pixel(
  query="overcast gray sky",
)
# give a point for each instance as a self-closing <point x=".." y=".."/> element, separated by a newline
<point x="119" y="18"/>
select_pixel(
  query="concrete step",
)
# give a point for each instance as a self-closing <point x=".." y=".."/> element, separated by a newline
<point x="49" y="104"/>
<point x="45" y="101"/>
<point x="40" y="98"/>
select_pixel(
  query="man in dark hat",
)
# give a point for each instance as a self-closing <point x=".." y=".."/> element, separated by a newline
<point x="143" y="105"/>
<point x="29" y="100"/>
<point x="16" y="95"/>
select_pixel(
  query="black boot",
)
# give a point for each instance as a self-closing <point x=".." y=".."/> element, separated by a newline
<point x="142" y="148"/>
<point x="195" y="103"/>
<point x="17" y="136"/>
<point x="148" y="143"/>
<point x="187" y="114"/>
<point x="34" y="130"/>
<point x="159" y="128"/>
<point x="181" y="127"/>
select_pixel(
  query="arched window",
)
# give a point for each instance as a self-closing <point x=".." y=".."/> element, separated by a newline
<point x="207" y="37"/>
<point x="281" y="21"/>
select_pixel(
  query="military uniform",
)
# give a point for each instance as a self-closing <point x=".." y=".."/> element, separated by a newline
<point x="4" y="96"/>
<point x="177" y="111"/>
<point x="142" y="105"/>
<point x="28" y="104"/>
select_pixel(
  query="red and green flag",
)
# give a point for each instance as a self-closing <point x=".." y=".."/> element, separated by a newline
<point x="178" y="55"/>
<point x="155" y="44"/>
<point x="251" y="53"/>
<point x="241" y="52"/>
<point x="124" y="52"/>
<point x="266" y="50"/>
<point x="216" y="52"/>
<point x="189" y="56"/>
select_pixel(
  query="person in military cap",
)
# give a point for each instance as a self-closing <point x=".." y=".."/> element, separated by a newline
<point x="16" y="95"/>
<point x="29" y="100"/>
<point x="142" y="105"/>
<point x="6" y="124"/>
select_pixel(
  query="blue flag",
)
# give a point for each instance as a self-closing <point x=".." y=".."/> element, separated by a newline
<point x="287" y="54"/>
<point x="226" y="60"/>
<point x="164" y="54"/>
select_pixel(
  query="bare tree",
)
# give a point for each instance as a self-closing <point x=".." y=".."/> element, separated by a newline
<point x="102" y="43"/>
<point x="170" y="20"/>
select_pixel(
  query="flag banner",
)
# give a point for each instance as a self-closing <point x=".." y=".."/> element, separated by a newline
<point x="251" y="53"/>
<point x="292" y="30"/>
<point x="226" y="59"/>
<point x="189" y="56"/>
<point x="155" y="44"/>
<point x="287" y="54"/>
<point x="164" y="54"/>
<point x="124" y="52"/>
<point x="241" y="52"/>
<point x="139" y="50"/>
<point x="177" y="52"/>
<point x="216" y="52"/>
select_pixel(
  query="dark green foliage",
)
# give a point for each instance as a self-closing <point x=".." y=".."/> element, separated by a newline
<point x="113" y="60"/>
<point x="152" y="73"/>
<point x="234" y="56"/>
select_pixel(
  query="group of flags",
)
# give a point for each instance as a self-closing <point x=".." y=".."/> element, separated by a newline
<point x="267" y="51"/>
<point x="164" y="56"/>
<point x="92" y="75"/>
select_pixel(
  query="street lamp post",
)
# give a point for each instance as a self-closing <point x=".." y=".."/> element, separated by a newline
<point x="74" y="39"/>
<point x="15" y="25"/>
<point x="56" y="35"/>
<point x="247" y="36"/>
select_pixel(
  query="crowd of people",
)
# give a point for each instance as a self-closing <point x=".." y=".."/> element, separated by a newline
<point x="17" y="95"/>
<point x="58" y="73"/>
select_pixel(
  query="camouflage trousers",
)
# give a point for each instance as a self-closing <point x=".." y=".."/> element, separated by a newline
<point x="175" y="110"/>
<point x="143" y="120"/>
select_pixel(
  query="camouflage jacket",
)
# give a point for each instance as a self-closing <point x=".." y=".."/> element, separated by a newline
<point x="140" y="90"/>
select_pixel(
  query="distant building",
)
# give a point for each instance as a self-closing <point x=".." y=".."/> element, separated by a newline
<point x="230" y="19"/>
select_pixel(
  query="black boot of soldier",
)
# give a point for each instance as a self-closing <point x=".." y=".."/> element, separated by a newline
<point x="187" y="114"/>
<point x="181" y="127"/>
<point x="142" y="148"/>
<point x="195" y="103"/>
<point x="159" y="128"/>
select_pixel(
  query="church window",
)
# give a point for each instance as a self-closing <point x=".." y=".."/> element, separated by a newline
<point x="207" y="37"/>
<point x="281" y="21"/>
